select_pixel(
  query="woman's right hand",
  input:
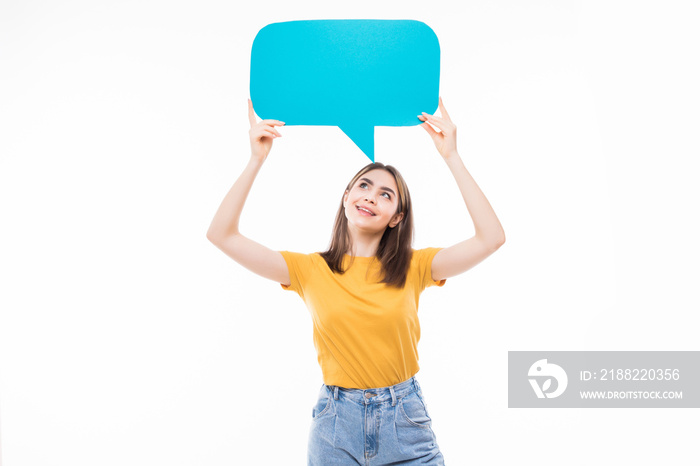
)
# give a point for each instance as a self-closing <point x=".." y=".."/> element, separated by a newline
<point x="261" y="134"/>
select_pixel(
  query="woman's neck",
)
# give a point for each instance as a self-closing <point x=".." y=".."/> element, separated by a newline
<point x="363" y="244"/>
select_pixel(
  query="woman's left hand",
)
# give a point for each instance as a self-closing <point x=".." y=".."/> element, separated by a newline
<point x="446" y="139"/>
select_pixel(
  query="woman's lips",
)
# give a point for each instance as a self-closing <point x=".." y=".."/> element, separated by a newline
<point x="365" y="211"/>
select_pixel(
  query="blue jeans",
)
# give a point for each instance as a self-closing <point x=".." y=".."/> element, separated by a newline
<point x="372" y="427"/>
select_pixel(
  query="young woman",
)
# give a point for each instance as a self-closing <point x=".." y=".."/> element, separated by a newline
<point x="363" y="296"/>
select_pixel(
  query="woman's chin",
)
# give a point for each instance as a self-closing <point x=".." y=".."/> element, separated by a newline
<point x="367" y="228"/>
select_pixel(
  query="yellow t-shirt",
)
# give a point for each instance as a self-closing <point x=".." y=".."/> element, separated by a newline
<point x="366" y="333"/>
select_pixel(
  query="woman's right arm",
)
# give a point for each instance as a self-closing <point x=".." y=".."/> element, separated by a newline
<point x="223" y="231"/>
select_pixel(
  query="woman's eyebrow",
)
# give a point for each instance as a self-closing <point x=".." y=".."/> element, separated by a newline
<point x="369" y="182"/>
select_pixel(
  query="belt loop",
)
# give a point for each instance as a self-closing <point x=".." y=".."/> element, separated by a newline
<point x="415" y="381"/>
<point x="393" y="396"/>
<point x="335" y="392"/>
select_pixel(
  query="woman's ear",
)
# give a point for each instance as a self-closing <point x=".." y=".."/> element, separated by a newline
<point x="396" y="219"/>
<point x="345" y="197"/>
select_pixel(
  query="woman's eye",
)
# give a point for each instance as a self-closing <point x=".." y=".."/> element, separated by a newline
<point x="362" y="185"/>
<point x="388" y="196"/>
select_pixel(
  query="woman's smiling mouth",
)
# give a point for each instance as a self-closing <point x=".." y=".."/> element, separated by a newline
<point x="365" y="211"/>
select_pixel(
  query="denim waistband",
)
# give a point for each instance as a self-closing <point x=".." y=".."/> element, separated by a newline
<point x="376" y="395"/>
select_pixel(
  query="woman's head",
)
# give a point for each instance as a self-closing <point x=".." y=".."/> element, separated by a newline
<point x="376" y="200"/>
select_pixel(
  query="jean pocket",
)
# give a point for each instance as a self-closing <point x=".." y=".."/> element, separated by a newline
<point x="413" y="409"/>
<point x="323" y="403"/>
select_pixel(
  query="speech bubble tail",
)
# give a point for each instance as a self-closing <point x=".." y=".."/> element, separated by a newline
<point x="363" y="137"/>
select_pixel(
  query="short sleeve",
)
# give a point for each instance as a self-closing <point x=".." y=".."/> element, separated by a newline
<point x="423" y="259"/>
<point x="299" y="266"/>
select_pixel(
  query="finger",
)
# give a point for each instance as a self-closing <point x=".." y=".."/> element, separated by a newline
<point x="273" y="130"/>
<point x="445" y="125"/>
<point x="434" y="134"/>
<point x="251" y="113"/>
<point x="257" y="131"/>
<point x="436" y="121"/>
<point x="427" y="126"/>
<point x="267" y="132"/>
<point x="443" y="110"/>
<point x="273" y="122"/>
<point x="271" y="126"/>
<point x="424" y="119"/>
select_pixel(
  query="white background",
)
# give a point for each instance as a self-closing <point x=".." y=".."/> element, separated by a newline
<point x="127" y="338"/>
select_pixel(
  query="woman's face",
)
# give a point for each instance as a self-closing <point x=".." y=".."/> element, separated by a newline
<point x="371" y="203"/>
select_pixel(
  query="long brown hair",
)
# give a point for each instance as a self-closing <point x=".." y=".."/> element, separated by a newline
<point x="394" y="250"/>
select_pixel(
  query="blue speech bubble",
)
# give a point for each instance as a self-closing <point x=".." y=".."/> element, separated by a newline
<point x="355" y="74"/>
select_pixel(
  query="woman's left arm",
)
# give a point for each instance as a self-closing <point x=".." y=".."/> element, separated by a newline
<point x="489" y="235"/>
